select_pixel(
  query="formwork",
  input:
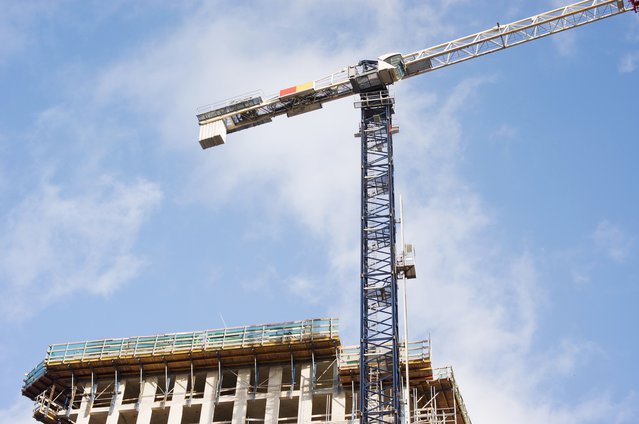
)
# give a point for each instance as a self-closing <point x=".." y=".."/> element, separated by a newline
<point x="293" y="372"/>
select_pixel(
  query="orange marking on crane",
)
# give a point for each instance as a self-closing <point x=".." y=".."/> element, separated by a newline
<point x="288" y="91"/>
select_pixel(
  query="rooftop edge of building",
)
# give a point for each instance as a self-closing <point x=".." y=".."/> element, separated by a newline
<point x="231" y="347"/>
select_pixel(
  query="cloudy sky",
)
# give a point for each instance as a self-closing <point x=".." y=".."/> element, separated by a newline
<point x="518" y="172"/>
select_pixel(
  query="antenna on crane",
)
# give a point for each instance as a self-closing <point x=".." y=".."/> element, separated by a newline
<point x="406" y="265"/>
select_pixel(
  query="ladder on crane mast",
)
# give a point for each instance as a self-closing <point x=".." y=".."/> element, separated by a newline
<point x="380" y="385"/>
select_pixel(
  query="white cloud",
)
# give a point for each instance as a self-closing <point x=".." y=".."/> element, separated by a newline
<point x="566" y="43"/>
<point x="262" y="281"/>
<point x="55" y="244"/>
<point x="612" y="241"/>
<point x="505" y="132"/>
<point x="18" y="413"/>
<point x="568" y="356"/>
<point x="4" y="180"/>
<point x="581" y="275"/>
<point x="15" y="22"/>
<point x="305" y="289"/>
<point x="628" y="63"/>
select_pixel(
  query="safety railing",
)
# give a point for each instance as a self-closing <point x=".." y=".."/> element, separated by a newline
<point x="49" y="410"/>
<point x="443" y="373"/>
<point x="417" y="351"/>
<point x="35" y="374"/>
<point x="431" y="415"/>
<point x="237" y="100"/>
<point x="447" y="373"/>
<point x="175" y="343"/>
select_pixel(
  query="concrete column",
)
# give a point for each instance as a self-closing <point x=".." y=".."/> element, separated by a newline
<point x="241" y="396"/>
<point x="114" y="414"/>
<point x="147" y="398"/>
<point x="338" y="406"/>
<point x="338" y="401"/>
<point x="273" y="396"/>
<point x="210" y="387"/>
<point x="85" y="405"/>
<point x="306" y="396"/>
<point x="177" y="401"/>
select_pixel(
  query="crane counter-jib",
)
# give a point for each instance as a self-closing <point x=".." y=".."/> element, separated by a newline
<point x="246" y="113"/>
<point x="243" y="113"/>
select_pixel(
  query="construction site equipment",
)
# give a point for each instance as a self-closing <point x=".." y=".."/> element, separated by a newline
<point x="370" y="79"/>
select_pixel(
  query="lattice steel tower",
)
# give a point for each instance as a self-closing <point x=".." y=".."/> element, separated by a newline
<point x="379" y="358"/>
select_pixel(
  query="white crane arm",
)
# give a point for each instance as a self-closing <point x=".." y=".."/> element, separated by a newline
<point x="252" y="109"/>
<point x="501" y="37"/>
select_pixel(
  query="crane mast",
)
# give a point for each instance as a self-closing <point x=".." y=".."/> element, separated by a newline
<point x="380" y="381"/>
<point x="379" y="374"/>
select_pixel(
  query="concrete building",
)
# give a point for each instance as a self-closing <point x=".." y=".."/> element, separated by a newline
<point x="295" y="372"/>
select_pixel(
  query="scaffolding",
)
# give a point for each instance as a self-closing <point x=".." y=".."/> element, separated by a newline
<point x="190" y="342"/>
<point x="294" y="372"/>
<point x="232" y="345"/>
<point x="441" y="402"/>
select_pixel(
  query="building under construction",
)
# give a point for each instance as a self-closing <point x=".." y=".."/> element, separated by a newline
<point x="294" y="372"/>
<point x="297" y="372"/>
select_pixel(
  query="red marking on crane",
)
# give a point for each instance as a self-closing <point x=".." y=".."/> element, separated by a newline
<point x="300" y="88"/>
<point x="289" y="90"/>
<point x="635" y="5"/>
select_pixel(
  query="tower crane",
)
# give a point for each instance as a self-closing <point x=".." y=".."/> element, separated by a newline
<point x="380" y="385"/>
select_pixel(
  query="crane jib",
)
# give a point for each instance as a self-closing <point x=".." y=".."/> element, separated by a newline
<point x="368" y="75"/>
<point x="503" y="36"/>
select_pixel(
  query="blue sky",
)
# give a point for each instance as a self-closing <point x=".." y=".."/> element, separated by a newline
<point x="517" y="169"/>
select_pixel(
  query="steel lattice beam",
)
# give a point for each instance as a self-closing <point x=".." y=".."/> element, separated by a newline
<point x="503" y="36"/>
